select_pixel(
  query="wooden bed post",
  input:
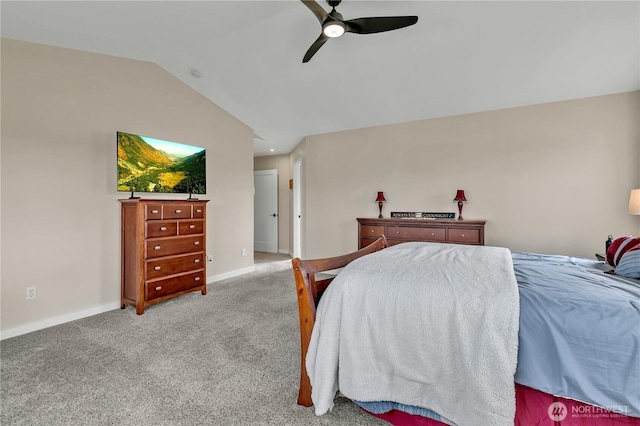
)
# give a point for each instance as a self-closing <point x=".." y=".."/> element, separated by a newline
<point x="309" y="292"/>
<point x="307" y="313"/>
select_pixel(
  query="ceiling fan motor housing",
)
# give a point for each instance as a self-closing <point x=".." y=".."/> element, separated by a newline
<point x="334" y="3"/>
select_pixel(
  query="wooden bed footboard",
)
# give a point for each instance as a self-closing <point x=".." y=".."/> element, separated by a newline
<point x="309" y="291"/>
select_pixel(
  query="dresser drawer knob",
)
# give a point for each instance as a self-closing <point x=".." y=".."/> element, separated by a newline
<point x="155" y="211"/>
<point x="192" y="227"/>
<point x="397" y="232"/>
<point x="372" y="231"/>
<point x="199" y="211"/>
<point x="197" y="243"/>
<point x="158" y="288"/>
<point x="157" y="268"/>
<point x="462" y="235"/>
<point x="156" y="248"/>
<point x="163" y="228"/>
<point x="433" y="233"/>
<point x="196" y="279"/>
<point x="197" y="261"/>
<point x="178" y="211"/>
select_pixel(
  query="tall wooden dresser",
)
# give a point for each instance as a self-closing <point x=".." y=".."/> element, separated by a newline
<point x="163" y="250"/>
<point x="400" y="230"/>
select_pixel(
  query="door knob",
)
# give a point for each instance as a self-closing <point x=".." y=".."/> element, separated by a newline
<point x="274" y="215"/>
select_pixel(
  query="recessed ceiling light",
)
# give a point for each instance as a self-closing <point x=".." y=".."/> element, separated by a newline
<point x="272" y="150"/>
<point x="195" y="73"/>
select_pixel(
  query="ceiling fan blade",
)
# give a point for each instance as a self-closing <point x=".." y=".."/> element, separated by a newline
<point x="314" y="47"/>
<point x="378" y="25"/>
<point x="317" y="10"/>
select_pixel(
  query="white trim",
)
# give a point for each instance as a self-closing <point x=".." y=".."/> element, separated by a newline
<point x="285" y="251"/>
<point x="231" y="274"/>
<point x="61" y="319"/>
<point x="297" y="209"/>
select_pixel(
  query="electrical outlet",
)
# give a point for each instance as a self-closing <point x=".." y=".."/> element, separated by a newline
<point x="243" y="252"/>
<point x="209" y="258"/>
<point x="31" y="293"/>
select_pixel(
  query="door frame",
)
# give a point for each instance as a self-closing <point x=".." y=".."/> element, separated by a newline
<point x="297" y="208"/>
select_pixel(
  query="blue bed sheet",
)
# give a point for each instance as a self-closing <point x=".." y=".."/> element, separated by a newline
<point x="579" y="334"/>
<point x="579" y="331"/>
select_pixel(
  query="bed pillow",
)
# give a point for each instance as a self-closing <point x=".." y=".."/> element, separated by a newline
<point x="619" y="247"/>
<point x="629" y="265"/>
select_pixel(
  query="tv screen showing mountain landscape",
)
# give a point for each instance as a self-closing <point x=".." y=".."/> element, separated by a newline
<point x="154" y="165"/>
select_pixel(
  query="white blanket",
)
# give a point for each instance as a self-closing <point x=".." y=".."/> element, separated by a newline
<point x="424" y="324"/>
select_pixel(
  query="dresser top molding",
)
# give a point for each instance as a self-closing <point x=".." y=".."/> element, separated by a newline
<point x="158" y="200"/>
<point x="449" y="223"/>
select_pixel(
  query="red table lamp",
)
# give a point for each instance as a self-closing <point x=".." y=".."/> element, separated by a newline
<point x="380" y="199"/>
<point x="461" y="199"/>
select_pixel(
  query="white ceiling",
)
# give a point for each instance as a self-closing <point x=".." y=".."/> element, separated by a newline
<point x="460" y="57"/>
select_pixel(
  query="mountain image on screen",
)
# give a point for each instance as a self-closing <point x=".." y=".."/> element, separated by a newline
<point x="153" y="165"/>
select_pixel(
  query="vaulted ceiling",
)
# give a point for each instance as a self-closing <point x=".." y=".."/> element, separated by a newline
<point x="461" y="56"/>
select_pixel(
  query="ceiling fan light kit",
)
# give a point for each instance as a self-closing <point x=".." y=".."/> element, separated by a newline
<point x="333" y="29"/>
<point x="333" y="25"/>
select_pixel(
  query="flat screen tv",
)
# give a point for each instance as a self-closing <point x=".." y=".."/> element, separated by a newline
<point x="153" y="165"/>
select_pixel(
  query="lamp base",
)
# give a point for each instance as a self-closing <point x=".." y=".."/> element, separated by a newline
<point x="460" y="204"/>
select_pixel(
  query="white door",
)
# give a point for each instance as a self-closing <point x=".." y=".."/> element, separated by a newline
<point x="265" y="211"/>
<point x="297" y="210"/>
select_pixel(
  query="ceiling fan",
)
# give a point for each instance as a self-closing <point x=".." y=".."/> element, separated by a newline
<point x="333" y="25"/>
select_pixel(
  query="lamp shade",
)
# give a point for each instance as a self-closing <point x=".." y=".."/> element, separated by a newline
<point x="380" y="197"/>
<point x="460" y="196"/>
<point x="634" y="202"/>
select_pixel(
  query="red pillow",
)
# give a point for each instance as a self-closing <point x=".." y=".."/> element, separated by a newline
<point x="619" y="247"/>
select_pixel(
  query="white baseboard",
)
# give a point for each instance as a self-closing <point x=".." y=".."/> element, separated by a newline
<point x="61" y="319"/>
<point x="231" y="274"/>
<point x="285" y="251"/>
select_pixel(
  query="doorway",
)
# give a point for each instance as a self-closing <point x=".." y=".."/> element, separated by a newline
<point x="265" y="211"/>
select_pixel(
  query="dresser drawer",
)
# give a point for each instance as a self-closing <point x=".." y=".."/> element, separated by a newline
<point x="169" y="286"/>
<point x="187" y="227"/>
<point x="199" y="211"/>
<point x="170" y="246"/>
<point x="372" y="231"/>
<point x="162" y="267"/>
<point x="157" y="228"/>
<point x="417" y="234"/>
<point x="468" y="236"/>
<point x="177" y="211"/>
<point x="153" y="211"/>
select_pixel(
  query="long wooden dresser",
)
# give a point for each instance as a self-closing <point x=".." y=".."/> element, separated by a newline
<point x="400" y="230"/>
<point x="163" y="250"/>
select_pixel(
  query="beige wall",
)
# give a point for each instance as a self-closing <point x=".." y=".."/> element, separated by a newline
<point x="281" y="164"/>
<point x="60" y="213"/>
<point x="551" y="178"/>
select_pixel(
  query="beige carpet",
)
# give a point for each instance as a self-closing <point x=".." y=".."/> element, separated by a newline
<point x="228" y="358"/>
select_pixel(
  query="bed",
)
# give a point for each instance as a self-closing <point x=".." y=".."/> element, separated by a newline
<point x="573" y="349"/>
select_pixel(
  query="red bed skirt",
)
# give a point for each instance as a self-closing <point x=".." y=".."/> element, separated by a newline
<point x="535" y="408"/>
